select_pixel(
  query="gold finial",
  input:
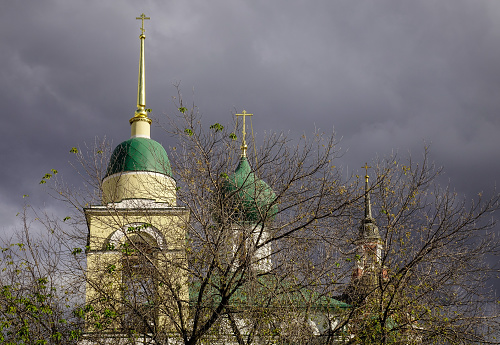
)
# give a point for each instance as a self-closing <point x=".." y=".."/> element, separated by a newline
<point x="141" y="122"/>
<point x="244" y="141"/>
<point x="142" y="17"/>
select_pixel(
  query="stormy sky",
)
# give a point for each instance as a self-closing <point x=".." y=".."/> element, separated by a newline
<point x="385" y="75"/>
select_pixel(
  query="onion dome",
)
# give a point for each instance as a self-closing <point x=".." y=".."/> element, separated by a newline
<point x="253" y="198"/>
<point x="139" y="154"/>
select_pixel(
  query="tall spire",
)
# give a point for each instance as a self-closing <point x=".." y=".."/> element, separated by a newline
<point x="368" y="206"/>
<point x="368" y="267"/>
<point x="368" y="228"/>
<point x="244" y="134"/>
<point x="141" y="123"/>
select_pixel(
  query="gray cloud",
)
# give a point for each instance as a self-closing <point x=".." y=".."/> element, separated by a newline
<point x="388" y="75"/>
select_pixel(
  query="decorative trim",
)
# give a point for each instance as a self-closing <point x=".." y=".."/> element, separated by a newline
<point x="103" y="252"/>
<point x="139" y="172"/>
<point x="137" y="118"/>
<point x="139" y="203"/>
<point x="118" y="235"/>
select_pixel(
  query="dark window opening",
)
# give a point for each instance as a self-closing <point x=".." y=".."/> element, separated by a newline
<point x="139" y="285"/>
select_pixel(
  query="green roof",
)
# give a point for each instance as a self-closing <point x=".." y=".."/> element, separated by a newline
<point x="253" y="197"/>
<point x="139" y="154"/>
<point x="259" y="293"/>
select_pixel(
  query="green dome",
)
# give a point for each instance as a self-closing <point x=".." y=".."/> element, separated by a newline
<point x="139" y="154"/>
<point x="253" y="197"/>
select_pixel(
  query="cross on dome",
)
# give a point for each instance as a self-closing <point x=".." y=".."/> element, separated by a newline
<point x="142" y="17"/>
<point x="244" y="146"/>
<point x="366" y="167"/>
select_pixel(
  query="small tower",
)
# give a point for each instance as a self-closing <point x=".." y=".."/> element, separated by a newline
<point x="136" y="259"/>
<point x="368" y="267"/>
<point x="252" y="207"/>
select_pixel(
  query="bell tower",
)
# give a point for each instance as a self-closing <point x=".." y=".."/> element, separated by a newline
<point x="368" y="267"/>
<point x="136" y="276"/>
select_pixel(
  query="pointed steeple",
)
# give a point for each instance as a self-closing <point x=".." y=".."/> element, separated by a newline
<point x="368" y="229"/>
<point x="368" y="206"/>
<point x="141" y="123"/>
<point x="368" y="267"/>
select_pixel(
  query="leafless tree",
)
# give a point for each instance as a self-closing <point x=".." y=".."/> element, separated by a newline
<point x="431" y="283"/>
<point x="268" y="256"/>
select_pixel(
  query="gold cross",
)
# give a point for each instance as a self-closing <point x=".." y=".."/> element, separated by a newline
<point x="366" y="167"/>
<point x="142" y="17"/>
<point x="244" y="141"/>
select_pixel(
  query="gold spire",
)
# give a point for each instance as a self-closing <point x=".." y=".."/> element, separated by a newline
<point x="140" y="122"/>
<point x="368" y="206"/>
<point x="244" y="140"/>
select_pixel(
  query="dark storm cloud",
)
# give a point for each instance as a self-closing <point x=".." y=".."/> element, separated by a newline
<point x="388" y="75"/>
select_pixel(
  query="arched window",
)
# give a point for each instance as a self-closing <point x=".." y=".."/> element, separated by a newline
<point x="139" y="282"/>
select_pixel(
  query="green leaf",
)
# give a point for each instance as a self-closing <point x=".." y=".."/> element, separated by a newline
<point x="73" y="150"/>
<point x="188" y="131"/>
<point x="233" y="136"/>
<point x="217" y="126"/>
<point x="75" y="334"/>
<point x="57" y="336"/>
<point x="79" y="313"/>
<point x="182" y="109"/>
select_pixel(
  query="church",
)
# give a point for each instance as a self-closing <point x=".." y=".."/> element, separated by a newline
<point x="150" y="280"/>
